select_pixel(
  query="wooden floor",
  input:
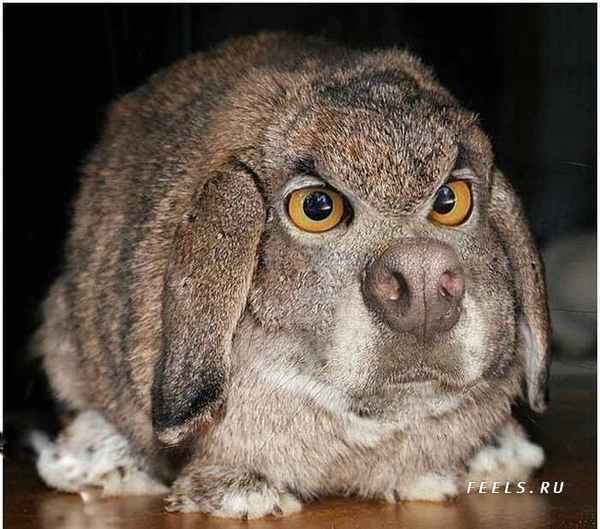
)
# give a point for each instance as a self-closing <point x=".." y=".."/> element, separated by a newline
<point x="568" y="434"/>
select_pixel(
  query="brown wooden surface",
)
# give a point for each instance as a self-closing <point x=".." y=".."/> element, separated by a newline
<point x="567" y="432"/>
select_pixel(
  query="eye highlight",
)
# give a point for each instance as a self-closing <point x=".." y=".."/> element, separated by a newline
<point x="452" y="203"/>
<point x="315" y="209"/>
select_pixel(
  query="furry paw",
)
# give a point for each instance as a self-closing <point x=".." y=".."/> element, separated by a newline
<point x="218" y="492"/>
<point x="429" y="487"/>
<point x="90" y="457"/>
<point x="512" y="458"/>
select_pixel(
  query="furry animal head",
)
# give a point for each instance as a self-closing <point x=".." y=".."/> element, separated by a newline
<point x="346" y="200"/>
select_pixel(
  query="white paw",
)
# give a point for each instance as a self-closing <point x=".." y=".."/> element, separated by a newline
<point x="240" y="504"/>
<point x="513" y="459"/>
<point x="257" y="504"/>
<point x="289" y="504"/>
<point x="429" y="487"/>
<point x="91" y="455"/>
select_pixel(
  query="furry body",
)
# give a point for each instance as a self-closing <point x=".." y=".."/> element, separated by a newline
<point x="192" y="314"/>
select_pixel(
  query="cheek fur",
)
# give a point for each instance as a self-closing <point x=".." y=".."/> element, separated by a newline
<point x="295" y="287"/>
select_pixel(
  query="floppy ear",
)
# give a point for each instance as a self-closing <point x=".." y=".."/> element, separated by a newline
<point x="534" y="323"/>
<point x="209" y="274"/>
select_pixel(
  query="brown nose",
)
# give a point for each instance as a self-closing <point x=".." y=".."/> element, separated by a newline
<point x="417" y="286"/>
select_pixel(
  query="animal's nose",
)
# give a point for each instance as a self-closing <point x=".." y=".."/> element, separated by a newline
<point x="417" y="286"/>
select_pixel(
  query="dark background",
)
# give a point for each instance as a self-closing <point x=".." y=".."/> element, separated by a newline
<point x="529" y="71"/>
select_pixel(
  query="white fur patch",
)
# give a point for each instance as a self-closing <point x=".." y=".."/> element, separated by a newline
<point x="89" y="455"/>
<point x="293" y="381"/>
<point x="514" y="459"/>
<point x="359" y="430"/>
<point x="365" y="432"/>
<point x="430" y="487"/>
<point x="253" y="504"/>
<point x="472" y="336"/>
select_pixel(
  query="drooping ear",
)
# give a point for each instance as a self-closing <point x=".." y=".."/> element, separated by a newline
<point x="209" y="274"/>
<point x="534" y="323"/>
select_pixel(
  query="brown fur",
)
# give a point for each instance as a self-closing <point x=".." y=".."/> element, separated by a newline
<point x="187" y="287"/>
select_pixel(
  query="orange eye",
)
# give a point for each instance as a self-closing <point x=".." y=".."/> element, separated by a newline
<point x="452" y="204"/>
<point x="316" y="209"/>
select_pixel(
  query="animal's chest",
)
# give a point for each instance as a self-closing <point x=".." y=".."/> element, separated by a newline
<point x="296" y="430"/>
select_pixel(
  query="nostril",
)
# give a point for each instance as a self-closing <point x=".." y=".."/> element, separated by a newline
<point x="388" y="287"/>
<point x="451" y="285"/>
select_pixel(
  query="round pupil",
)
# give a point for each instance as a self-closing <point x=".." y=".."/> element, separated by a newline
<point x="317" y="205"/>
<point x="444" y="200"/>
